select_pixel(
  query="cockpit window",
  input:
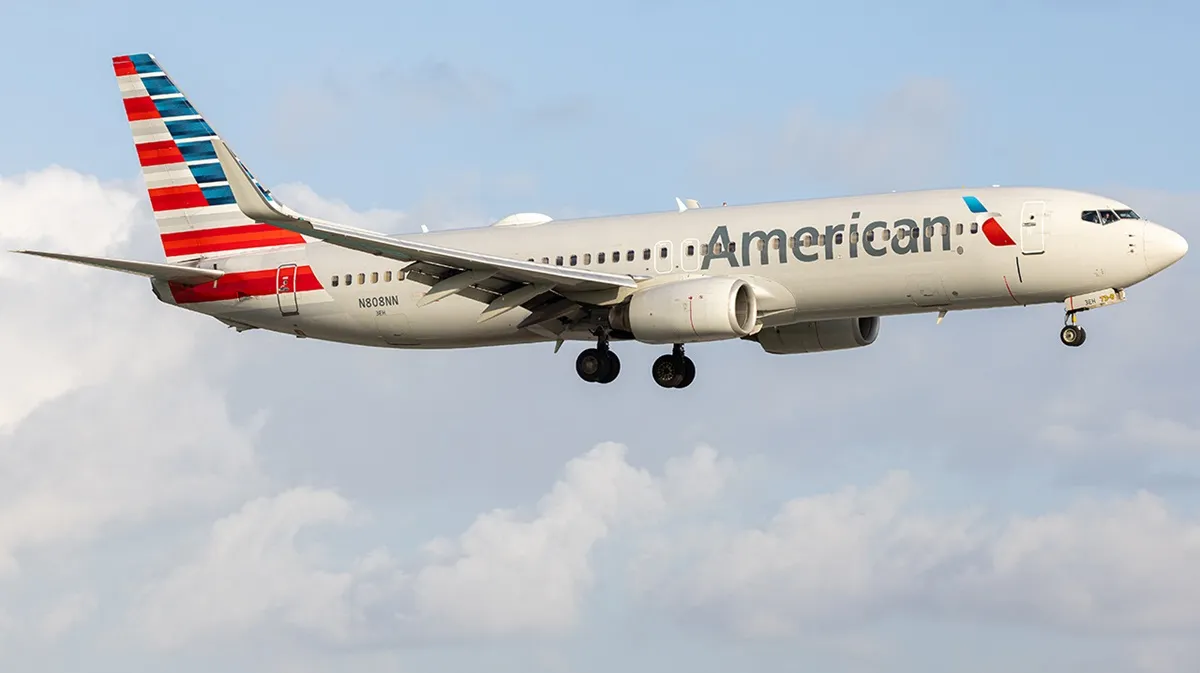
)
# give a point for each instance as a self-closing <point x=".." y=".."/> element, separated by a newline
<point x="1108" y="216"/>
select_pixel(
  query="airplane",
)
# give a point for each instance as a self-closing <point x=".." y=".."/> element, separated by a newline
<point x="795" y="277"/>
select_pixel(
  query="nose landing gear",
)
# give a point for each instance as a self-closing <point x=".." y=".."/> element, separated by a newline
<point x="675" y="370"/>
<point x="1072" y="334"/>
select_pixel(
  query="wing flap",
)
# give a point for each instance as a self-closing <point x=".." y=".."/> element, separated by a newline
<point x="184" y="275"/>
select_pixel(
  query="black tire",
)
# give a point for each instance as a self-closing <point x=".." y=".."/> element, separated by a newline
<point x="689" y="373"/>
<point x="1082" y="336"/>
<point x="667" y="371"/>
<point x="1072" y="336"/>
<point x="590" y="365"/>
<point x="612" y="368"/>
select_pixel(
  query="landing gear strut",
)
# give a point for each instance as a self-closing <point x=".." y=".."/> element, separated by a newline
<point x="599" y="364"/>
<point x="675" y="370"/>
<point x="1072" y="334"/>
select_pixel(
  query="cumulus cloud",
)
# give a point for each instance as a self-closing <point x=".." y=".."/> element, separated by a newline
<point x="510" y="572"/>
<point x="107" y="414"/>
<point x="851" y="557"/>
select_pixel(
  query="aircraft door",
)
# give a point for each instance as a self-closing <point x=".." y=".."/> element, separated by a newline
<point x="1033" y="228"/>
<point x="662" y="257"/>
<point x="689" y="255"/>
<point x="285" y="289"/>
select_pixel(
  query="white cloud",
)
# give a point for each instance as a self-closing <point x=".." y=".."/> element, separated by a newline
<point x="66" y="615"/>
<point x="304" y="199"/>
<point x="107" y="412"/>
<point x="850" y="557"/>
<point x="508" y="573"/>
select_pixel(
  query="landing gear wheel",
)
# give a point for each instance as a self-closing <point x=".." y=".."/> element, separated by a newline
<point x="612" y="368"/>
<point x="1072" y="335"/>
<point x="669" y="371"/>
<point x="689" y="373"/>
<point x="590" y="365"/>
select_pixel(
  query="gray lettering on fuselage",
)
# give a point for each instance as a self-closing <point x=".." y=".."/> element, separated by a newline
<point x="902" y="245"/>
<point x="869" y="238"/>
<point x="943" y="222"/>
<point x="830" y="230"/>
<point x="765" y="237"/>
<point x="721" y="247"/>
<point x="376" y="302"/>
<point x="719" y="240"/>
<point x="798" y="244"/>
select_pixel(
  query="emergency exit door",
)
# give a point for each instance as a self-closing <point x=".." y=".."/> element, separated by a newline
<point x="285" y="289"/>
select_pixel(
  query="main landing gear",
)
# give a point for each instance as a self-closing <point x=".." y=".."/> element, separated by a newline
<point x="675" y="370"/>
<point x="601" y="365"/>
<point x="1072" y="334"/>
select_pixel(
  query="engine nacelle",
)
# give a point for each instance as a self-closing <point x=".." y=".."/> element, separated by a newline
<point x="819" y="335"/>
<point x="688" y="311"/>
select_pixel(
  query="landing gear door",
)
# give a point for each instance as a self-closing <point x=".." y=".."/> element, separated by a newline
<point x="285" y="289"/>
<point x="1033" y="228"/>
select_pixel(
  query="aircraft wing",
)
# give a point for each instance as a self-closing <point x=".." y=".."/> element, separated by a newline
<point x="256" y="204"/>
<point x="184" y="275"/>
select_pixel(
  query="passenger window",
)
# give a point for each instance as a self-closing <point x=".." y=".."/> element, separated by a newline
<point x="374" y="276"/>
<point x="732" y="246"/>
<point x="646" y="253"/>
<point x="821" y="239"/>
<point x="362" y="279"/>
<point x="545" y="260"/>
<point x="945" y="230"/>
<point x="558" y="260"/>
<point x="807" y="240"/>
<point x="929" y="231"/>
<point x="974" y="227"/>
<point x="399" y="275"/>
<point x="760" y="244"/>
<point x="691" y="251"/>
<point x="837" y="238"/>
<point x="774" y="242"/>
<point x="335" y="281"/>
<point x="587" y="258"/>
<point x="870" y="235"/>
<point x="616" y="256"/>
<point x="887" y="235"/>
<point x="958" y="229"/>
<point x="629" y="256"/>
<point x="387" y="276"/>
<point x="574" y="260"/>
<point x="718" y="248"/>
<point x="704" y="249"/>
<point x="600" y="258"/>
<point x="349" y="279"/>
<point x="663" y="252"/>
<point x="854" y="238"/>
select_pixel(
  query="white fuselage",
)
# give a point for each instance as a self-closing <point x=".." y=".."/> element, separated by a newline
<point x="812" y="260"/>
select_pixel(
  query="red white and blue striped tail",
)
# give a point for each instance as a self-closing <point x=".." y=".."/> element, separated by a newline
<point x="193" y="205"/>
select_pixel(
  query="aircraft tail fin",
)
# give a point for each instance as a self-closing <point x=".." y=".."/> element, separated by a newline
<point x="189" y="193"/>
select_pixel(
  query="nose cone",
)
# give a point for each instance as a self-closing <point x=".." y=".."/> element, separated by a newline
<point x="1163" y="247"/>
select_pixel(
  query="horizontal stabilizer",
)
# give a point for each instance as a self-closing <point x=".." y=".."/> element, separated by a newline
<point x="184" y="275"/>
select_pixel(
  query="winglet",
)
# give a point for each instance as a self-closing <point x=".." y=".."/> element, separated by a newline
<point x="679" y="203"/>
<point x="249" y="196"/>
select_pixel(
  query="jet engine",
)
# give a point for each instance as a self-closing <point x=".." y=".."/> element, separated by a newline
<point x="819" y="335"/>
<point x="688" y="311"/>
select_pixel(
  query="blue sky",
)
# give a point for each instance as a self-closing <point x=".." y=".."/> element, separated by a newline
<point x="966" y="496"/>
